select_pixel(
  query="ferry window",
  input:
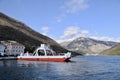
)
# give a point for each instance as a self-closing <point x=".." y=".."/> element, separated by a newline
<point x="41" y="52"/>
<point x="49" y="53"/>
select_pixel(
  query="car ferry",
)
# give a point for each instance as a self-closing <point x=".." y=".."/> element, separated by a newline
<point x="45" y="53"/>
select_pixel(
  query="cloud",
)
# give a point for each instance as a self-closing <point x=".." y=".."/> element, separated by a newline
<point x="71" y="7"/>
<point x="72" y="32"/>
<point x="45" y="30"/>
<point x="105" y="38"/>
<point x="60" y="17"/>
<point x="74" y="6"/>
<point x="84" y="32"/>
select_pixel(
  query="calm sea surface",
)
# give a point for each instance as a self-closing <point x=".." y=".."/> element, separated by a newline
<point x="80" y="68"/>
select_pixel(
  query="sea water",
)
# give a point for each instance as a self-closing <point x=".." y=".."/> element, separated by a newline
<point x="80" y="68"/>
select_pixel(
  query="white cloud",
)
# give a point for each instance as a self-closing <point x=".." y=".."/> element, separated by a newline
<point x="60" y="17"/>
<point x="84" y="32"/>
<point x="71" y="6"/>
<point x="64" y="40"/>
<point x="105" y="38"/>
<point x="45" y="30"/>
<point x="74" y="6"/>
<point x="72" y="32"/>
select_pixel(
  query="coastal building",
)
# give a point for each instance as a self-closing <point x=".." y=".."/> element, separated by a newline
<point x="13" y="48"/>
<point x="2" y="49"/>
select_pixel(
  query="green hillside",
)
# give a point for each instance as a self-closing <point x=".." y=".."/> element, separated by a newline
<point x="112" y="51"/>
<point x="11" y="29"/>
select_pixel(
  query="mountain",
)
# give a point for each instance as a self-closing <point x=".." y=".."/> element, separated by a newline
<point x="112" y="51"/>
<point x="88" y="45"/>
<point x="11" y="29"/>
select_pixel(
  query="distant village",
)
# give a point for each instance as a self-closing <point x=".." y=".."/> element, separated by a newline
<point x="11" y="48"/>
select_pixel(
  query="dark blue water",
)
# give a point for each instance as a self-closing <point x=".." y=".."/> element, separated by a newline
<point x="81" y="68"/>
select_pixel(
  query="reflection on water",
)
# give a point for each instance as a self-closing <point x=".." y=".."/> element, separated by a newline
<point x="80" y="68"/>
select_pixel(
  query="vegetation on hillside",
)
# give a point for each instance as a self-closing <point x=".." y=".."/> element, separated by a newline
<point x="112" y="51"/>
<point x="11" y="29"/>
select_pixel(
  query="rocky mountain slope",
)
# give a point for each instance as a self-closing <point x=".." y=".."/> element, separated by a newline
<point x="88" y="45"/>
<point x="11" y="29"/>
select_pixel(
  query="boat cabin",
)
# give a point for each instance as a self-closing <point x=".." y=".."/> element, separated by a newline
<point x="44" y="50"/>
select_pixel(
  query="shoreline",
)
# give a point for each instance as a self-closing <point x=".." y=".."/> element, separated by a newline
<point x="8" y="58"/>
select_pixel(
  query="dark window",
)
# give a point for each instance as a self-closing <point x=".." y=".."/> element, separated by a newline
<point x="49" y="53"/>
<point x="41" y="52"/>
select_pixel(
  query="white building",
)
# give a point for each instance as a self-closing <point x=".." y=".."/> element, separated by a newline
<point x="2" y="49"/>
<point x="16" y="48"/>
<point x="13" y="48"/>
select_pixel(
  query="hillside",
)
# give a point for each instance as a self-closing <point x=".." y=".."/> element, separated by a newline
<point x="88" y="45"/>
<point x="11" y="29"/>
<point x="112" y="51"/>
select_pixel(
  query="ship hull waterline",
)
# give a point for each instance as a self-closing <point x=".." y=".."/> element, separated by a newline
<point x="45" y="59"/>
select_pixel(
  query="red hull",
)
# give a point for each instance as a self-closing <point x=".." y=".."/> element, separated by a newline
<point x="46" y="59"/>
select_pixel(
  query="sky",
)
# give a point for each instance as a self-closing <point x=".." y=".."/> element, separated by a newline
<point x="64" y="20"/>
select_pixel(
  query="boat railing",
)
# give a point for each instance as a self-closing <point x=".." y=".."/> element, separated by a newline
<point x="61" y="54"/>
<point x="26" y="54"/>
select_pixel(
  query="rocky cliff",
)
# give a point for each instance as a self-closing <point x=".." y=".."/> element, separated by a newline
<point x="11" y="29"/>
